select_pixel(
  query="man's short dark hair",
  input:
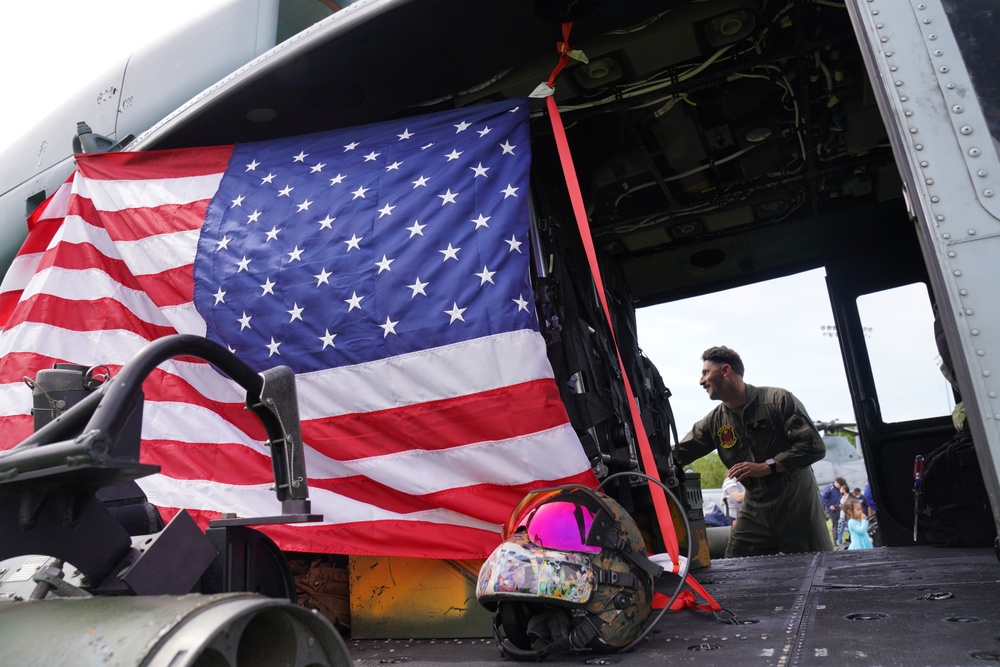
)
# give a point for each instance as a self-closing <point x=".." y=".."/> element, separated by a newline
<point x="724" y="355"/>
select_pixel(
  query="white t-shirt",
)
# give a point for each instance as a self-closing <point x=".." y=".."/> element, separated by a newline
<point x="730" y="485"/>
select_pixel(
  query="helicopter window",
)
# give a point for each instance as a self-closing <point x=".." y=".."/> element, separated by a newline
<point x="899" y="334"/>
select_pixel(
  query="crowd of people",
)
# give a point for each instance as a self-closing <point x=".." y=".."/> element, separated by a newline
<point x="850" y="514"/>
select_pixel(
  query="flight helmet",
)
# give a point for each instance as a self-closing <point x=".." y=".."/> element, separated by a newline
<point x="571" y="574"/>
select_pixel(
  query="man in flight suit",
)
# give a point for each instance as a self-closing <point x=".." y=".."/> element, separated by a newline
<point x="767" y="441"/>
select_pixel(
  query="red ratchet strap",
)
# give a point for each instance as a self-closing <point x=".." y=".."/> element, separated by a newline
<point x="563" y="47"/>
<point x="660" y="505"/>
<point x="687" y="599"/>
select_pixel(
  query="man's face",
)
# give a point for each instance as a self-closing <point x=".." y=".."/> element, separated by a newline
<point x="712" y="378"/>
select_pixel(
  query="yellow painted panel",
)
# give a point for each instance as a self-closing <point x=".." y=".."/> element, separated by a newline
<point x="407" y="598"/>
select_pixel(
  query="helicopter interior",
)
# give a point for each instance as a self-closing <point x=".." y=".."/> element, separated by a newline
<point x="717" y="144"/>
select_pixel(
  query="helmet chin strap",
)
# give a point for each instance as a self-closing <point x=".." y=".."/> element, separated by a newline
<point x="551" y="631"/>
<point x="603" y="533"/>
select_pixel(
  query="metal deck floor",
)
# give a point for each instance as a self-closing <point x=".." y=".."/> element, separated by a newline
<point x="881" y="607"/>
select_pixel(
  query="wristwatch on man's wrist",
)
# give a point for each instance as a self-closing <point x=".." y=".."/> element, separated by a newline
<point x="773" y="465"/>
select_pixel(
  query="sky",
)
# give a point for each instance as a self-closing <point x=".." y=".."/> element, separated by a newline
<point x="50" y="49"/>
<point x="778" y="328"/>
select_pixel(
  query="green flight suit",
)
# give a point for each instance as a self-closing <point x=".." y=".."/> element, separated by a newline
<point x="782" y="512"/>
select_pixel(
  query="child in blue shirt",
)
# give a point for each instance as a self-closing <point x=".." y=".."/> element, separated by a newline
<point x="857" y="524"/>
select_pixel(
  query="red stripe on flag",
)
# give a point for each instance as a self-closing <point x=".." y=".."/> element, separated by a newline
<point x="15" y="428"/>
<point x="98" y="314"/>
<point x="380" y="538"/>
<point x="85" y="257"/>
<point x="17" y="365"/>
<point x="134" y="224"/>
<point x="167" y="288"/>
<point x="183" y="162"/>
<point x="488" y="502"/>
<point x="492" y="415"/>
<point x="8" y="302"/>
<point x="224" y="463"/>
<point x="420" y="539"/>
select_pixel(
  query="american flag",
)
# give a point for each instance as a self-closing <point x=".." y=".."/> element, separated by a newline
<point x="387" y="265"/>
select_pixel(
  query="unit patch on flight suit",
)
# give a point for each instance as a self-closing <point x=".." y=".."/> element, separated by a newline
<point x="727" y="436"/>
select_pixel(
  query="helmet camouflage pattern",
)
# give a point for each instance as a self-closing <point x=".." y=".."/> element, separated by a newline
<point x="622" y="621"/>
<point x="571" y="574"/>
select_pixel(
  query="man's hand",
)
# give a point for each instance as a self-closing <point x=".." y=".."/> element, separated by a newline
<point x="745" y="469"/>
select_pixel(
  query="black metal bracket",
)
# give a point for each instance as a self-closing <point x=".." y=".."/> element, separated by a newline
<point x="49" y="480"/>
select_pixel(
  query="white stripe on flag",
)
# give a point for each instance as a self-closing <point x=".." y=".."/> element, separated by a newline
<point x="125" y="194"/>
<point x="259" y="500"/>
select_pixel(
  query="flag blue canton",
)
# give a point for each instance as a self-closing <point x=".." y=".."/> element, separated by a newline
<point x="344" y="247"/>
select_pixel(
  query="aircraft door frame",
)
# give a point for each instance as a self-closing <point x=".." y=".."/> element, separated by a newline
<point x="889" y="447"/>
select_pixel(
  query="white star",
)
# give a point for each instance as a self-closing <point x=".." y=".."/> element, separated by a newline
<point x="394" y="166"/>
<point x="238" y="201"/>
<point x="317" y="167"/>
<point x="322" y="277"/>
<point x="461" y="127"/>
<point x="223" y="244"/>
<point x="485" y="277"/>
<point x="384" y="264"/>
<point x="423" y="148"/>
<point x="353" y="242"/>
<point x="480" y="170"/>
<point x="273" y="234"/>
<point x="405" y="135"/>
<point x="521" y="303"/>
<point x="337" y="180"/>
<point x="420" y="182"/>
<point x="507" y="148"/>
<point x="220" y="297"/>
<point x="453" y="155"/>
<point x="244" y="264"/>
<point x="300" y="157"/>
<point x="389" y="327"/>
<point x="448" y="197"/>
<point x="385" y="210"/>
<point x="267" y="179"/>
<point x="371" y="156"/>
<point x="327" y="339"/>
<point x="286" y="192"/>
<point x="481" y="221"/>
<point x="514" y="244"/>
<point x="268" y="287"/>
<point x="253" y="165"/>
<point x="360" y="192"/>
<point x="486" y="130"/>
<point x="244" y="321"/>
<point x="351" y="146"/>
<point x="273" y="347"/>
<point x="326" y="223"/>
<point x="455" y="312"/>
<point x="295" y="312"/>
<point x="304" y="206"/>
<point x="295" y="255"/>
<point x="450" y="253"/>
<point x="353" y="302"/>
<point x="253" y="216"/>
<point x="509" y="191"/>
<point x="417" y="228"/>
<point x="418" y="288"/>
